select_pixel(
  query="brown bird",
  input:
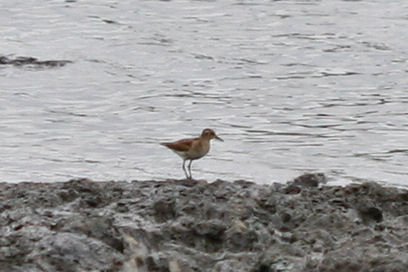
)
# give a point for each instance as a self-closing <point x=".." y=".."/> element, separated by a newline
<point x="193" y="149"/>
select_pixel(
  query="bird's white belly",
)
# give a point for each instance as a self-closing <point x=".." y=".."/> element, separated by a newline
<point x="190" y="155"/>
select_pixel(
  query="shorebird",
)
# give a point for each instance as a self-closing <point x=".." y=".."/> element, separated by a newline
<point x="192" y="149"/>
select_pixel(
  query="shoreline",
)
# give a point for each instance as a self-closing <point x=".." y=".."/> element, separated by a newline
<point x="182" y="225"/>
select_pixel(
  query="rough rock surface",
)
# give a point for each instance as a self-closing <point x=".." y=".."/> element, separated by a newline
<point x="180" y="225"/>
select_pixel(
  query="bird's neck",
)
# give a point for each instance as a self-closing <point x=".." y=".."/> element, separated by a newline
<point x="206" y="139"/>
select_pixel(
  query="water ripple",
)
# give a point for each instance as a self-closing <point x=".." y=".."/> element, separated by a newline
<point x="291" y="86"/>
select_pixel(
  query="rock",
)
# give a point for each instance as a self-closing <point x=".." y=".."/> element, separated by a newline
<point x="310" y="180"/>
<point x="33" y="62"/>
<point x="178" y="225"/>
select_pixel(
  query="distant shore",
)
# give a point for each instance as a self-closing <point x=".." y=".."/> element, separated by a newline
<point x="182" y="226"/>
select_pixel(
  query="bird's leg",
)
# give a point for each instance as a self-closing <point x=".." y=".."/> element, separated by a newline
<point x="189" y="169"/>
<point x="184" y="169"/>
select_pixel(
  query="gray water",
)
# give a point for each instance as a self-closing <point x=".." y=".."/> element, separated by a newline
<point x="291" y="86"/>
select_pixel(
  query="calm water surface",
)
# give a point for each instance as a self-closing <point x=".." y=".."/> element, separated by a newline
<point x="291" y="86"/>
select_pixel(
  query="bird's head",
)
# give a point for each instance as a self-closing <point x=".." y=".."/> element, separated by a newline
<point x="210" y="134"/>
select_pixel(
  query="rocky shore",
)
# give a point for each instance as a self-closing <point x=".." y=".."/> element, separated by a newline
<point x="183" y="226"/>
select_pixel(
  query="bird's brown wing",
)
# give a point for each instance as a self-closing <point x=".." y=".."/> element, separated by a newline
<point x="181" y="145"/>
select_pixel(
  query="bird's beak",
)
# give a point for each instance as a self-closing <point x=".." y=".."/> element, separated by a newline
<point x="218" y="138"/>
